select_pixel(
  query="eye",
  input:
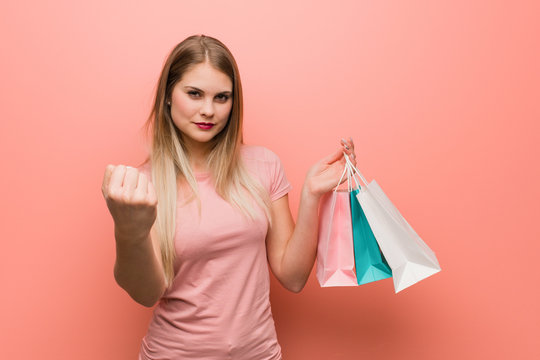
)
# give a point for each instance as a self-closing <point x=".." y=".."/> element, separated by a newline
<point x="222" y="97"/>
<point x="194" y="93"/>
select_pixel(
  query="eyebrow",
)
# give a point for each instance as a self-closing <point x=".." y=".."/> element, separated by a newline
<point x="195" y="88"/>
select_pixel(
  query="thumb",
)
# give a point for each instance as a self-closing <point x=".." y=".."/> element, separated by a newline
<point x="332" y="158"/>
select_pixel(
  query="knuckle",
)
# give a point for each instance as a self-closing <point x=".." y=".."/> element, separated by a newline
<point x="125" y="197"/>
<point x="138" y="200"/>
<point x="113" y="193"/>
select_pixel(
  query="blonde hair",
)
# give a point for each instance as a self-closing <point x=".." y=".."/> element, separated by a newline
<point x="169" y="156"/>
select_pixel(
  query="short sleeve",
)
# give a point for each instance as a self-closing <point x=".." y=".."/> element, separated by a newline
<point x="268" y="169"/>
<point x="280" y="186"/>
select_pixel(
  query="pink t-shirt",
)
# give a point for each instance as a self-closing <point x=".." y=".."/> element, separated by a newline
<point x="218" y="305"/>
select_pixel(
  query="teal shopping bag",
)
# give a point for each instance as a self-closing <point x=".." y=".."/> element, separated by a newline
<point x="370" y="262"/>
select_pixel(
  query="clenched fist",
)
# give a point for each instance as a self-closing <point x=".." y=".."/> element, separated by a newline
<point x="131" y="200"/>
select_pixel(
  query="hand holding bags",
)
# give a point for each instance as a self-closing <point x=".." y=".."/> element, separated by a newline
<point x="378" y="227"/>
<point x="342" y="224"/>
<point x="410" y="259"/>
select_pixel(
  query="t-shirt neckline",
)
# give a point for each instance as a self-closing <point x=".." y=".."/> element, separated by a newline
<point x="201" y="175"/>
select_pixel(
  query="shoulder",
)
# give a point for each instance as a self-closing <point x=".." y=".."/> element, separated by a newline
<point x="257" y="153"/>
<point x="146" y="168"/>
<point x="267" y="166"/>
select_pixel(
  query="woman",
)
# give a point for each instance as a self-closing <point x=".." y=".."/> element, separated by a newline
<point x="197" y="224"/>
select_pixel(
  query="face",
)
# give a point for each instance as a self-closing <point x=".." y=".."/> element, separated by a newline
<point x="201" y="103"/>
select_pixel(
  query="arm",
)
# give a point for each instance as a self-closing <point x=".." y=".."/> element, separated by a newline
<point x="291" y="248"/>
<point x="138" y="269"/>
<point x="131" y="200"/>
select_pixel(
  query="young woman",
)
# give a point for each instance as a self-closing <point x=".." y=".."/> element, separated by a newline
<point x="197" y="225"/>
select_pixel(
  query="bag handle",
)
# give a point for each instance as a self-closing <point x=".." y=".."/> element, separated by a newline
<point x="354" y="170"/>
<point x="346" y="170"/>
<point x="350" y="174"/>
<point x="349" y="169"/>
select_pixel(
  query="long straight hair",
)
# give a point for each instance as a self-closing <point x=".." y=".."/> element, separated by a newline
<point x="169" y="156"/>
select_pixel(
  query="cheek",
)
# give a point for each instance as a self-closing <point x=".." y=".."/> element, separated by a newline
<point x="184" y="106"/>
<point x="224" y="111"/>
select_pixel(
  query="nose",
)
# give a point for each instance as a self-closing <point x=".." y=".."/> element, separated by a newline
<point x="207" y="108"/>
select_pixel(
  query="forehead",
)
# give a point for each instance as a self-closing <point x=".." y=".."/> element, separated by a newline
<point x="207" y="78"/>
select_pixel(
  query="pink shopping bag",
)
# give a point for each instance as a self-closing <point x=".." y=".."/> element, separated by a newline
<point x="335" y="254"/>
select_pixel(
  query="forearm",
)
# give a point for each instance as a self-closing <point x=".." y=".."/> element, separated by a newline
<point x="301" y="249"/>
<point x="292" y="249"/>
<point x="137" y="269"/>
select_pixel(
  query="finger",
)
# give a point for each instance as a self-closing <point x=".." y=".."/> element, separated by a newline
<point x="345" y="144"/>
<point x="349" y="148"/>
<point x="107" y="178"/>
<point x="142" y="184"/>
<point x="117" y="177"/>
<point x="130" y="180"/>
<point x="348" y="152"/>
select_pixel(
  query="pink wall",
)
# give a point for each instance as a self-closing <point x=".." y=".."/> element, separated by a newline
<point x="442" y="99"/>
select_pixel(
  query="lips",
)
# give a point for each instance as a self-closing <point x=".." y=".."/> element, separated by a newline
<point x="204" y="125"/>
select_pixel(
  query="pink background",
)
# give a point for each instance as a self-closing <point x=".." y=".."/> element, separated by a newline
<point x="442" y="99"/>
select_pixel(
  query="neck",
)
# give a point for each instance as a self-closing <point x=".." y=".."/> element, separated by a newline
<point x="198" y="154"/>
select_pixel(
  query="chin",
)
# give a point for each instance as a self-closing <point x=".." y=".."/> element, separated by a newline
<point x="204" y="139"/>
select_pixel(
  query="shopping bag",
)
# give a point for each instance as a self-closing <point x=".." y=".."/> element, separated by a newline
<point x="370" y="263"/>
<point x="335" y="255"/>
<point x="410" y="259"/>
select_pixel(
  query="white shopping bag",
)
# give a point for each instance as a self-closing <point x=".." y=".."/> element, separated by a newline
<point x="410" y="259"/>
